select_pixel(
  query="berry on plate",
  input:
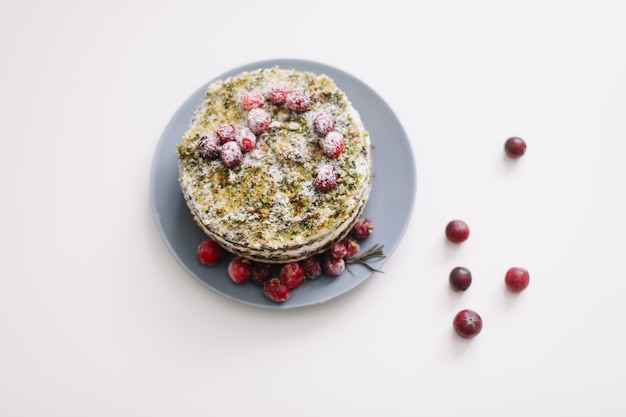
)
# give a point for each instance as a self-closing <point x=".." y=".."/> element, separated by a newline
<point x="275" y="290"/>
<point x="292" y="274"/>
<point x="240" y="270"/>
<point x="209" y="252"/>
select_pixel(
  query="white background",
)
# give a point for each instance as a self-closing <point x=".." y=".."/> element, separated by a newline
<point x="97" y="318"/>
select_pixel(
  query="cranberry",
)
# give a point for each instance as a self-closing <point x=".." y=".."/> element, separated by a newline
<point x="312" y="267"/>
<point x="209" y="252"/>
<point x="363" y="228"/>
<point x="467" y="323"/>
<point x="515" y="147"/>
<point x="352" y="247"/>
<point x="323" y="124"/>
<point x="225" y="132"/>
<point x="338" y="250"/>
<point x="326" y="178"/>
<point x="258" y="121"/>
<point x="298" y="101"/>
<point x="333" y="144"/>
<point x="209" y="147"/>
<point x="460" y="278"/>
<point x="291" y="274"/>
<point x="252" y="100"/>
<point x="457" y="231"/>
<point x="332" y="266"/>
<point x="231" y="154"/>
<point x="517" y="279"/>
<point x="245" y="139"/>
<point x="240" y="270"/>
<point x="275" y="290"/>
<point x="277" y="94"/>
<point x="261" y="272"/>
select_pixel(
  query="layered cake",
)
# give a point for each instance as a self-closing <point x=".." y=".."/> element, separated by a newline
<point x="276" y="164"/>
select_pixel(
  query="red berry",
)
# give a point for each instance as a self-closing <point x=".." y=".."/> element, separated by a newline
<point x="245" y="139"/>
<point x="231" y="154"/>
<point x="332" y="266"/>
<point x="363" y="228"/>
<point x="252" y="100"/>
<point x="261" y="272"/>
<point x="312" y="267"/>
<point x="338" y="250"/>
<point x="209" y="147"/>
<point x="323" y="124"/>
<point x="327" y="178"/>
<point x="467" y="323"/>
<point x="517" y="279"/>
<point x="333" y="144"/>
<point x="258" y="121"/>
<point x="240" y="270"/>
<point x="277" y="94"/>
<point x="275" y="290"/>
<point x="225" y="132"/>
<point x="457" y="231"/>
<point x="515" y="147"/>
<point x="352" y="247"/>
<point x="291" y="274"/>
<point x="298" y="101"/>
<point x="209" y="252"/>
<point x="460" y="278"/>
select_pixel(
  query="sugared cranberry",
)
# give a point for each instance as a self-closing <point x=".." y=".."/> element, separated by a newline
<point x="467" y="323"/>
<point x="258" y="121"/>
<point x="327" y="178"/>
<point x="231" y="154"/>
<point x="515" y="147"/>
<point x="517" y="279"/>
<point x="275" y="290"/>
<point x="291" y="274"/>
<point x="338" y="250"/>
<point x="240" y="270"/>
<point x="245" y="139"/>
<point x="352" y="247"/>
<point x="460" y="278"/>
<point x="209" y="252"/>
<point x="323" y="124"/>
<point x="457" y="231"/>
<point x="252" y="100"/>
<point x="225" y="132"/>
<point x="332" y="266"/>
<point x="261" y="272"/>
<point x="209" y="147"/>
<point x="298" y="101"/>
<point x="363" y="228"/>
<point x="277" y="94"/>
<point x="333" y="144"/>
<point x="312" y="267"/>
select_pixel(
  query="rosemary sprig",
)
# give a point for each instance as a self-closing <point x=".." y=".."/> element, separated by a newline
<point x="374" y="252"/>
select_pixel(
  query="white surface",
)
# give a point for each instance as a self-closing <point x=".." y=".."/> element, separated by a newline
<point x="98" y="319"/>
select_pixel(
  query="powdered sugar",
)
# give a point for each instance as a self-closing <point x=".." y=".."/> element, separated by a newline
<point x="333" y="144"/>
<point x="258" y="120"/>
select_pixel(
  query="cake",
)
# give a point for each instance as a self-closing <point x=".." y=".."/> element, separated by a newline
<point x="276" y="164"/>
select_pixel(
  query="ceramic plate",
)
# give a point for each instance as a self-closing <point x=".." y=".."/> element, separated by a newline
<point x="390" y="204"/>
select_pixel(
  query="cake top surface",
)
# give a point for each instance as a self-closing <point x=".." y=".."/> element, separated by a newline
<point x="269" y="200"/>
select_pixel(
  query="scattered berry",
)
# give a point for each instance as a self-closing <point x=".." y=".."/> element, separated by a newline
<point x="277" y="94"/>
<point x="209" y="252"/>
<point x="258" y="120"/>
<point x="457" y="231"/>
<point x="338" y="250"/>
<point x="225" y="132"/>
<point x="209" y="147"/>
<point x="467" y="323"/>
<point x="252" y="100"/>
<point x="333" y="144"/>
<point x="312" y="267"/>
<point x="298" y="101"/>
<point x="515" y="147"/>
<point x="245" y="139"/>
<point x="517" y="279"/>
<point x="240" y="270"/>
<point x="326" y="178"/>
<point x="363" y="228"/>
<point x="460" y="278"/>
<point x="332" y="266"/>
<point x="261" y="272"/>
<point x="275" y="290"/>
<point x="352" y="247"/>
<point x="291" y="274"/>
<point x="231" y="154"/>
<point x="323" y="124"/>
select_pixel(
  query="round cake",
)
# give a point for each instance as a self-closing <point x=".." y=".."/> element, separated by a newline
<point x="276" y="164"/>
